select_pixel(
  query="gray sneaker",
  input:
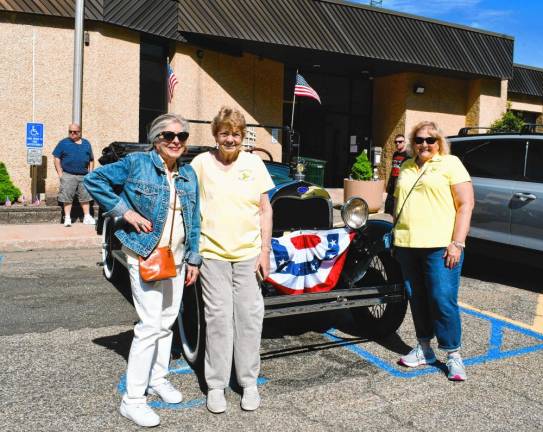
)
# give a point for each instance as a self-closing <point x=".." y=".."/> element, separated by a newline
<point x="216" y="402"/>
<point x="418" y="357"/>
<point x="251" y="399"/>
<point x="457" y="371"/>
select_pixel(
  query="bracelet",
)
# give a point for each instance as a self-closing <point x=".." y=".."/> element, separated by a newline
<point x="458" y="244"/>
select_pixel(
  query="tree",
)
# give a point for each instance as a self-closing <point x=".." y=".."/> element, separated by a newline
<point x="509" y="122"/>
<point x="7" y="188"/>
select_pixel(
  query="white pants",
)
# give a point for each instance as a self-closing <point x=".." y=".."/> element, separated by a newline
<point x="157" y="305"/>
<point x="234" y="311"/>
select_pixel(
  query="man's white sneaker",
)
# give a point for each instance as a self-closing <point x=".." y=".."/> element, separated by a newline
<point x="67" y="221"/>
<point x="167" y="392"/>
<point x="216" y="402"/>
<point x="251" y="399"/>
<point x="89" y="220"/>
<point x="140" y="413"/>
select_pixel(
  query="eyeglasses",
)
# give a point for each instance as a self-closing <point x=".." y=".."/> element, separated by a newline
<point x="170" y="136"/>
<point x="74" y="132"/>
<point x="399" y="142"/>
<point x="429" y="140"/>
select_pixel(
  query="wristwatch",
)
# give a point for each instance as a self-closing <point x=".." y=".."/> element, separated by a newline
<point x="458" y="244"/>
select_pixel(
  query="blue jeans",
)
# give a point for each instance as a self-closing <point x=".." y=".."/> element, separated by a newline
<point x="432" y="290"/>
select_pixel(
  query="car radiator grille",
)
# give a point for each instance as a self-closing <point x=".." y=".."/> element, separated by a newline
<point x="294" y="213"/>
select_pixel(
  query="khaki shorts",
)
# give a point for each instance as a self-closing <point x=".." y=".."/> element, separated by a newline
<point x="70" y="184"/>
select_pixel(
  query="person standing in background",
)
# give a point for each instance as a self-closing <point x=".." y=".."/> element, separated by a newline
<point x="74" y="159"/>
<point x="398" y="158"/>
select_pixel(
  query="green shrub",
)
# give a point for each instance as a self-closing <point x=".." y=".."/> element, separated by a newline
<point x="7" y="188"/>
<point x="508" y="122"/>
<point x="361" y="169"/>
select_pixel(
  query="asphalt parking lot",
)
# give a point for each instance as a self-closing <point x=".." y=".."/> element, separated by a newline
<point x="65" y="334"/>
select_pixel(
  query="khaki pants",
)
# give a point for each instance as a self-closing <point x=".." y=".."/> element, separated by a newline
<point x="234" y="310"/>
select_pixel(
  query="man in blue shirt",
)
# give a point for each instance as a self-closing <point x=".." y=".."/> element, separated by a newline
<point x="73" y="159"/>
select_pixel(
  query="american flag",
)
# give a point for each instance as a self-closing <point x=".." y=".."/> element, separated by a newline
<point x="302" y="88"/>
<point x="308" y="261"/>
<point x="172" y="82"/>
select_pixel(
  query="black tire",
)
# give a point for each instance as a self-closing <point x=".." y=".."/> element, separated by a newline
<point x="380" y="320"/>
<point x="113" y="270"/>
<point x="192" y="326"/>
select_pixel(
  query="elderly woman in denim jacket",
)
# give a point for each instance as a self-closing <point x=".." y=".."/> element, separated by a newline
<point x="148" y="183"/>
<point x="434" y="201"/>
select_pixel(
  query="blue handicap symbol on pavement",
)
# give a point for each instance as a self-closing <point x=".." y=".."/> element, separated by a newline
<point x="181" y="368"/>
<point x="494" y="351"/>
<point x="34" y="134"/>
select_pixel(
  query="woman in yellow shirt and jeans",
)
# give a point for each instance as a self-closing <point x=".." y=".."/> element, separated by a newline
<point x="434" y="201"/>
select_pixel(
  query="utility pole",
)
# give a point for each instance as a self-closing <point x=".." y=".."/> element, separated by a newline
<point x="78" y="62"/>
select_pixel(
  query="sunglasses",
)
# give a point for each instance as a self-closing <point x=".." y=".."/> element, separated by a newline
<point x="170" y="136"/>
<point x="399" y="142"/>
<point x="74" y="132"/>
<point x="429" y="140"/>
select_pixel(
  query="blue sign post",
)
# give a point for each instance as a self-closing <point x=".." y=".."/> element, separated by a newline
<point x="34" y="135"/>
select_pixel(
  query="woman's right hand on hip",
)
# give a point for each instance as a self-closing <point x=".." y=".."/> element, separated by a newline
<point x="138" y="222"/>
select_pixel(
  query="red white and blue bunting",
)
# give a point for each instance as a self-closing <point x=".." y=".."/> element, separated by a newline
<point x="308" y="261"/>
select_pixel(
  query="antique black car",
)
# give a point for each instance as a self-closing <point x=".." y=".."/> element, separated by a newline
<point x="369" y="285"/>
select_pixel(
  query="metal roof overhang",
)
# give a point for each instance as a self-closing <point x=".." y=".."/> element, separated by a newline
<point x="347" y="34"/>
<point x="527" y="81"/>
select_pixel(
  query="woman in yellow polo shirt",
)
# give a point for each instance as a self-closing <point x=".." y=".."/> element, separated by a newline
<point x="235" y="243"/>
<point x="434" y="201"/>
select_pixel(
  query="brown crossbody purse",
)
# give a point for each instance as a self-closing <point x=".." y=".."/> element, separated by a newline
<point x="160" y="264"/>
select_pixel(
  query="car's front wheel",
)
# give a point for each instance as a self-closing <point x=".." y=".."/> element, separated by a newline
<point x="191" y="323"/>
<point x="382" y="319"/>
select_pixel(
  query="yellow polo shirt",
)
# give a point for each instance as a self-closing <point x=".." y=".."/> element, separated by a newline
<point x="229" y="205"/>
<point x="428" y="217"/>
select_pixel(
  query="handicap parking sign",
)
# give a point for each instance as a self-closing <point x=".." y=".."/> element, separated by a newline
<point x="34" y="134"/>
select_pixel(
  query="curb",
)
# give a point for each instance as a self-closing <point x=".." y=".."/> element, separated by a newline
<point x="48" y="244"/>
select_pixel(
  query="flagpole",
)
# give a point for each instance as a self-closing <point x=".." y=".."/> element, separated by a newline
<point x="167" y="84"/>
<point x="293" y="102"/>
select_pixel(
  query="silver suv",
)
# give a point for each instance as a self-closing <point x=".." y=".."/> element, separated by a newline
<point x="507" y="174"/>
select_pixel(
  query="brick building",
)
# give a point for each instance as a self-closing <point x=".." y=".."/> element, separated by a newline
<point x="378" y="72"/>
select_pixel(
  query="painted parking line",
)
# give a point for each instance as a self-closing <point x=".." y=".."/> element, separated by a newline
<point x="538" y="320"/>
<point x="494" y="351"/>
<point x="180" y="368"/>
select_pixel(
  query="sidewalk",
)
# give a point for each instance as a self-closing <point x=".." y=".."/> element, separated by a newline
<point x="16" y="238"/>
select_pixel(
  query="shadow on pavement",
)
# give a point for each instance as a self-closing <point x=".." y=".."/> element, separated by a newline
<point x="502" y="271"/>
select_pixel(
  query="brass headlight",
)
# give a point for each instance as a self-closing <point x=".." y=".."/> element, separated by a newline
<point x="355" y="213"/>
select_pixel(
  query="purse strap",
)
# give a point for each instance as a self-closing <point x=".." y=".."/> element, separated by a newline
<point x="173" y="216"/>
<point x="409" y="193"/>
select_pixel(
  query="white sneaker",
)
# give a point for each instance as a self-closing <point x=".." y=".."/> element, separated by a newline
<point x="140" y="413"/>
<point x="67" y="221"/>
<point x="167" y="392"/>
<point x="251" y="399"/>
<point x="89" y="220"/>
<point x="216" y="402"/>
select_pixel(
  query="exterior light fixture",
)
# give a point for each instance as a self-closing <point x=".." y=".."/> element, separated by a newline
<point x="418" y="89"/>
<point x="86" y="38"/>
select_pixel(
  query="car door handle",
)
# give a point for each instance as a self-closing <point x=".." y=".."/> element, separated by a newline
<point x="525" y="196"/>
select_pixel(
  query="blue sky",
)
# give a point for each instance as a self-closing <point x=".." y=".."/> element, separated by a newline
<point x="522" y="19"/>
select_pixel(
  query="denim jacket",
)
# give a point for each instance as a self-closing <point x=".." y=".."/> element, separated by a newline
<point x="143" y="185"/>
